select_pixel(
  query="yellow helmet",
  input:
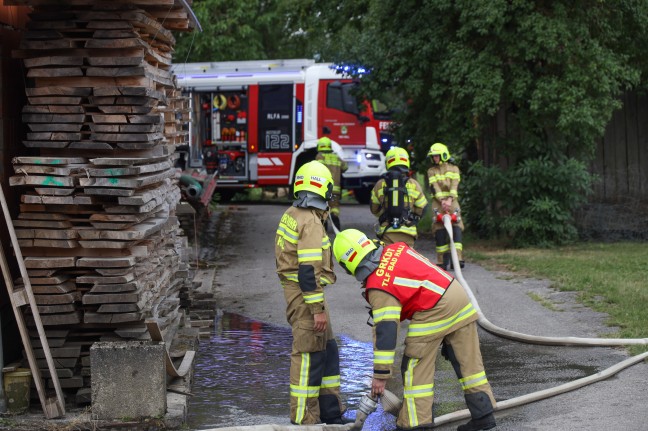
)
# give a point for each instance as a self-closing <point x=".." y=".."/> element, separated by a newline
<point x="441" y="150"/>
<point x="350" y="247"/>
<point x="324" y="144"/>
<point x="314" y="177"/>
<point x="397" y="156"/>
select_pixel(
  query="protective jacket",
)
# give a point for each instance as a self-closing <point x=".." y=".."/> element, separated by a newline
<point x="303" y="254"/>
<point x="336" y="165"/>
<point x="444" y="181"/>
<point x="414" y="202"/>
<point x="410" y="278"/>
<point x="305" y="265"/>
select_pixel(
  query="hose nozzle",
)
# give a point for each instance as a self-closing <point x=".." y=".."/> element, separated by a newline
<point x="366" y="407"/>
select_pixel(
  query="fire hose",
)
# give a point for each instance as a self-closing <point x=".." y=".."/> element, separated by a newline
<point x="533" y="339"/>
<point x="367" y="407"/>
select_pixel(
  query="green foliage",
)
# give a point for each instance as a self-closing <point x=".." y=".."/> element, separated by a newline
<point x="239" y="30"/>
<point x="532" y="202"/>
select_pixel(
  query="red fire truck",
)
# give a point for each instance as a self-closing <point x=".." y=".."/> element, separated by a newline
<point x="257" y="122"/>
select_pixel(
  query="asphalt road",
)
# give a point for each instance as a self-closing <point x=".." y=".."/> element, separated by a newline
<point x="246" y="283"/>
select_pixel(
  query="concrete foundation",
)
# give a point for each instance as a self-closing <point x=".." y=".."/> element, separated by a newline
<point x="128" y="380"/>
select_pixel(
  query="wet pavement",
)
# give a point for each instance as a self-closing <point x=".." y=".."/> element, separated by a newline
<point x="242" y="369"/>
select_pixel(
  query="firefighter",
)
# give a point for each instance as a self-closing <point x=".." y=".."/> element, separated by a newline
<point x="444" y="178"/>
<point x="305" y="265"/>
<point x="401" y="284"/>
<point x="336" y="165"/>
<point x="397" y="200"/>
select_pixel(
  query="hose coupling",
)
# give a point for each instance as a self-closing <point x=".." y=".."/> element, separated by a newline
<point x="367" y="405"/>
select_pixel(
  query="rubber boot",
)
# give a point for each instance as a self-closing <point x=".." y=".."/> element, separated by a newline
<point x="447" y="261"/>
<point x="484" y="423"/>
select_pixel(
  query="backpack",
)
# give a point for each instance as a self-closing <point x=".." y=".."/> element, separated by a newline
<point x="397" y="208"/>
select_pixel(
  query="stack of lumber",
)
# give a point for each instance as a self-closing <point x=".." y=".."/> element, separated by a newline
<point x="97" y="223"/>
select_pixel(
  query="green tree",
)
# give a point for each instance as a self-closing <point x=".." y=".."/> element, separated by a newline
<point x="239" y="30"/>
<point x="534" y="82"/>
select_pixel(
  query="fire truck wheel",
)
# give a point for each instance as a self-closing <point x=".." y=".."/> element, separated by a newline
<point x="363" y="195"/>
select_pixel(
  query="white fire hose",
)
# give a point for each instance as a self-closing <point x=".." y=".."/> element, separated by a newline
<point x="533" y="339"/>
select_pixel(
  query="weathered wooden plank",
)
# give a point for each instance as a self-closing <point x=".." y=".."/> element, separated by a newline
<point x="54" y="127"/>
<point x="45" y="144"/>
<point x="124" y="109"/>
<point x="63" y="298"/>
<point x="50" y="262"/>
<point x="53" y="109"/>
<point x="53" y="118"/>
<point x="53" y="136"/>
<point x="54" y="72"/>
<point x="136" y="232"/>
<point x="87" y="81"/>
<point x="54" y="289"/>
<point x="90" y="145"/>
<point x="106" y="262"/>
<point x="113" y="318"/>
<point x="57" y="90"/>
<point x="120" y="138"/>
<point x="42" y="224"/>
<point x="61" y="319"/>
<point x="133" y="183"/>
<point x="125" y="170"/>
<point x="115" y="288"/>
<point x="99" y="279"/>
<point x="56" y="308"/>
<point x="118" y="308"/>
<point x="54" y="191"/>
<point x="126" y="161"/>
<point x="108" y="298"/>
<point x="46" y="280"/>
<point x="54" y="100"/>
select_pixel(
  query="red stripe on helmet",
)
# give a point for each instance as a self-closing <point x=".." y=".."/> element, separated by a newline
<point x="350" y="259"/>
<point x="318" y="185"/>
<point x="299" y="183"/>
<point x="366" y="243"/>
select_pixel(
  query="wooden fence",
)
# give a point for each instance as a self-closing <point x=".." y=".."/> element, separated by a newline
<point x="621" y="161"/>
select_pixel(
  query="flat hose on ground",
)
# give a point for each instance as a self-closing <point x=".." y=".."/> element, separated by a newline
<point x="532" y="339"/>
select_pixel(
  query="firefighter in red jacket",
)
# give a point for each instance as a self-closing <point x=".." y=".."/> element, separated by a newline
<point x="401" y="284"/>
<point x="336" y="165"/>
<point x="305" y="265"/>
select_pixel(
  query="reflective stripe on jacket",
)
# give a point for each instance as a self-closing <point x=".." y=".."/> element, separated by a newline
<point x="303" y="253"/>
<point x="410" y="277"/>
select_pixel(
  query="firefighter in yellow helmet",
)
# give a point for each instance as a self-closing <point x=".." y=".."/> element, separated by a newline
<point x="397" y="200"/>
<point x="305" y="265"/>
<point x="444" y="178"/>
<point x="336" y="165"/>
<point x="401" y="284"/>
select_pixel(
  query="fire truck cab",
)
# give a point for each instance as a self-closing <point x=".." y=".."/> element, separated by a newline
<point x="257" y="122"/>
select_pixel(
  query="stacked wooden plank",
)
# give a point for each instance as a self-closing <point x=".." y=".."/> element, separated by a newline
<point x="97" y="222"/>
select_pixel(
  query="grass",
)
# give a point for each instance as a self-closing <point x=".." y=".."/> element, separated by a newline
<point x="609" y="277"/>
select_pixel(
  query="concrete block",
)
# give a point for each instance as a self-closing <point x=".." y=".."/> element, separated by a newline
<point x="128" y="379"/>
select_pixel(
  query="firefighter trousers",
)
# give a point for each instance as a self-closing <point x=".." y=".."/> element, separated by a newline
<point x="314" y="366"/>
<point x="462" y="349"/>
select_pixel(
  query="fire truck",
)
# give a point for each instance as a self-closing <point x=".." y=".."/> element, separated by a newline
<point x="257" y="122"/>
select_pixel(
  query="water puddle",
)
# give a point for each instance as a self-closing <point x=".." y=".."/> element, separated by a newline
<point x="242" y="373"/>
